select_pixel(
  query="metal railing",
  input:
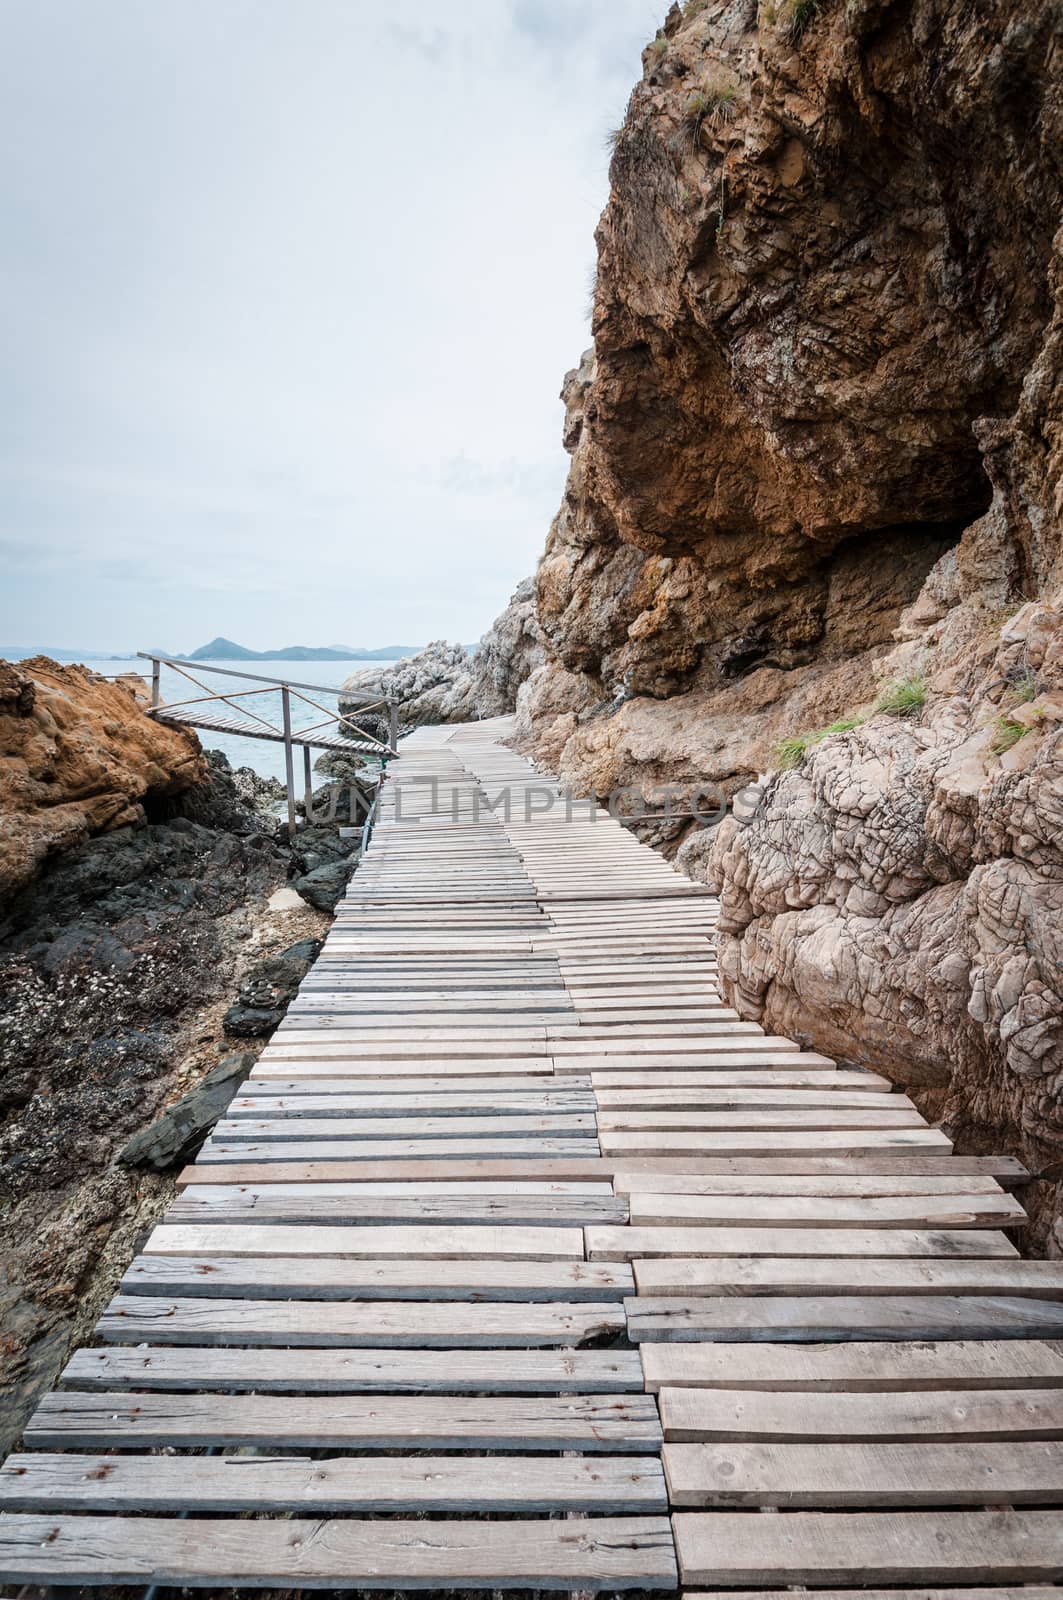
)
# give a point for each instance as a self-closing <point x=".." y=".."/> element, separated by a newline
<point x="259" y="727"/>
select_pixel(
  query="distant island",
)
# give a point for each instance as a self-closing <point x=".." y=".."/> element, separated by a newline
<point x="227" y="650"/>
<point x="220" y="650"/>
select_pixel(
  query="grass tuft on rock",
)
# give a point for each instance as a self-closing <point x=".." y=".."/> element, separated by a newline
<point x="714" y="103"/>
<point x="791" y="752"/>
<point x="1024" y="688"/>
<point x="904" y="697"/>
<point x="1006" y="732"/>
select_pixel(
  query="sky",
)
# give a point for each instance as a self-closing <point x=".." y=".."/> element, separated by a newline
<point x="287" y="292"/>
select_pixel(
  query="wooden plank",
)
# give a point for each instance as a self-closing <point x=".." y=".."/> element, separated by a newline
<point x="798" y="1476"/>
<point x="403" y="1126"/>
<point x="839" y="1316"/>
<point x="696" y="1414"/>
<point x="776" y="1089"/>
<point x="143" y="1419"/>
<point x="955" y="1210"/>
<point x="365" y="1371"/>
<point x="419" y="1169"/>
<point x="1026" y="1591"/>
<point x="219" y="1151"/>
<point x="435" y="1484"/>
<point x="340" y="1061"/>
<point x="1005" y="1168"/>
<point x="726" y="1049"/>
<point x="877" y="1114"/>
<point x="686" y="1279"/>
<point x="275" y="1203"/>
<point x="685" y="1183"/>
<point x="816" y="1547"/>
<point x="609" y="1553"/>
<point x="475" y="1090"/>
<point x="854" y="1141"/>
<point x="470" y="1188"/>
<point x="372" y="1324"/>
<point x="424" y="1243"/>
<point x="628" y="1244"/>
<point x="332" y="1278"/>
<point x="877" y="1368"/>
<point x="337" y="1102"/>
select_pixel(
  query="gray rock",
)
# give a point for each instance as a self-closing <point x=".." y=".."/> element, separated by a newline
<point x="180" y="1130"/>
<point x="267" y="988"/>
<point x="324" y="885"/>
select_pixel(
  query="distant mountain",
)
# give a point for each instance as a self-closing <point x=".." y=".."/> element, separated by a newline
<point x="226" y="650"/>
<point x="24" y="652"/>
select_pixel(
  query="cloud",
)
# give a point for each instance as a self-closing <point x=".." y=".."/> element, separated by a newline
<point x="288" y="296"/>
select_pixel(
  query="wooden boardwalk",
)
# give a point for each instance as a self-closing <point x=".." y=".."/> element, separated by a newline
<point x="521" y="1261"/>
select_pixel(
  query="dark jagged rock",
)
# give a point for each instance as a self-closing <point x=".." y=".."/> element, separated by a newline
<point x="236" y="799"/>
<point x="267" y="990"/>
<point x="325" y="884"/>
<point x="177" y="1134"/>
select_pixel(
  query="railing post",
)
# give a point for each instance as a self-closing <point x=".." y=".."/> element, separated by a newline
<point x="393" y="724"/>
<point x="156" y="674"/>
<point x="308" y="784"/>
<point x="289" y="770"/>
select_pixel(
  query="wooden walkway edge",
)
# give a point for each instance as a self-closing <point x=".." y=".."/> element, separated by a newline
<point x="521" y="1262"/>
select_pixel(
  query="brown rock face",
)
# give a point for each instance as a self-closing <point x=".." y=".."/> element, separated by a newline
<point x="817" y="463"/>
<point x="79" y="758"/>
<point x="823" y="261"/>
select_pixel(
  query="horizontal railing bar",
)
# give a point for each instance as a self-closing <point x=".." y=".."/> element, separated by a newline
<point x="198" y="700"/>
<point x="256" y="677"/>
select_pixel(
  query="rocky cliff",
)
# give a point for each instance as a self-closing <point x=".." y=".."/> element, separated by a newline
<point x="445" y="683"/>
<point x="138" y="901"/>
<point x="80" y="758"/>
<point x="812" y="524"/>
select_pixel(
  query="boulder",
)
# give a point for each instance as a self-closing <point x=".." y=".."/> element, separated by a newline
<point x="268" y="988"/>
<point x="176" y="1135"/>
<point x="80" y="758"/>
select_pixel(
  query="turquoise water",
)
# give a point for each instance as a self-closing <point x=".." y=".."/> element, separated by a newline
<point x="264" y="756"/>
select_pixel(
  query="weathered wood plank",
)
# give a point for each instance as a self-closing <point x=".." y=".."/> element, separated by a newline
<point x="210" y="1204"/>
<point x="876" y="1368"/>
<point x="954" y="1210"/>
<point x="855" y="1141"/>
<point x="687" y="1279"/>
<point x="409" y="1241"/>
<point x="629" y="1244"/>
<point x="340" y="1062"/>
<point x="372" y="1103"/>
<point x="145" y="1419"/>
<point x="778" y="1091"/>
<point x="814" y="1547"/>
<point x="1026" y="1591"/>
<point x="858" y="1184"/>
<point x="499" y="1092"/>
<point x="878" y="1113"/>
<point x="333" y="1278"/>
<point x="697" y="1414"/>
<point x="231" y="1130"/>
<point x="434" y="1484"/>
<point x="607" y="1553"/>
<point x="799" y="1476"/>
<point x="1005" y="1168"/>
<point x="219" y="1151"/>
<point x="337" y="1371"/>
<point x="410" y="1324"/>
<point x="781" y="1317"/>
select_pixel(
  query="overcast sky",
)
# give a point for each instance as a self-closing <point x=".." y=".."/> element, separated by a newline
<point x="288" y="291"/>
